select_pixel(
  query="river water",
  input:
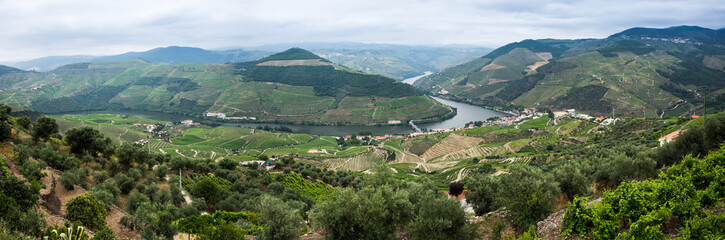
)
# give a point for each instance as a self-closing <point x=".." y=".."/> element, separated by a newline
<point x="413" y="79"/>
<point x="466" y="113"/>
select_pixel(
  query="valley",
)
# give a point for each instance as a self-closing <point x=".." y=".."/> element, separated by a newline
<point x="291" y="87"/>
<point x="612" y="138"/>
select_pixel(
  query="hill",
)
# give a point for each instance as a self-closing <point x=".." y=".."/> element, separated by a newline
<point x="169" y="55"/>
<point x="641" y="72"/>
<point x="292" y="86"/>
<point x="390" y="60"/>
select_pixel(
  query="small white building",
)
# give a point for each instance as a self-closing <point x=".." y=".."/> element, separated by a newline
<point x="216" y="114"/>
<point x="187" y="122"/>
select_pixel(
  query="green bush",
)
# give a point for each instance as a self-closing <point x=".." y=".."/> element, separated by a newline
<point x="88" y="210"/>
<point x="684" y="193"/>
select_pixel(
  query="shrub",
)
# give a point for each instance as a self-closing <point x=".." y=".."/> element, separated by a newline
<point x="278" y="220"/>
<point x="88" y="210"/>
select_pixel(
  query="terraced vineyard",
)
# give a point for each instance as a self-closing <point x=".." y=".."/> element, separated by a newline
<point x="359" y="162"/>
<point x="452" y="143"/>
<point x="471" y="152"/>
<point x="158" y="144"/>
<point x="316" y="190"/>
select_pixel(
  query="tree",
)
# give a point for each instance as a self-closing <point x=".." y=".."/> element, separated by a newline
<point x="136" y="199"/>
<point x="130" y="153"/>
<point x="24" y="121"/>
<point x="372" y="213"/>
<point x="439" y="218"/>
<point x="207" y="189"/>
<point x="572" y="181"/>
<point x="156" y="220"/>
<point x="5" y="131"/>
<point x="391" y="156"/>
<point x="455" y="188"/>
<point x="4" y="112"/>
<point x="278" y="220"/>
<point x="89" y="140"/>
<point x="223" y="231"/>
<point x="44" y="127"/>
<point x="88" y="210"/>
<point x="227" y="163"/>
<point x="528" y="195"/>
<point x="125" y="184"/>
<point x="16" y="202"/>
<point x="483" y="193"/>
<point x="74" y="177"/>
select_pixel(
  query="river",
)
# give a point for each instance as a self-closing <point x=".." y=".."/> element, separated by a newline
<point x="413" y="79"/>
<point x="466" y="113"/>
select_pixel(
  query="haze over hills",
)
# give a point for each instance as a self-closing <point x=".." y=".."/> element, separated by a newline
<point x="641" y="72"/>
<point x="168" y="55"/>
<point x="390" y="60"/>
<point x="292" y="86"/>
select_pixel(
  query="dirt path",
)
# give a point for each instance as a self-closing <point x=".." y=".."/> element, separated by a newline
<point x="162" y="151"/>
<point x="195" y="152"/>
<point x="119" y="135"/>
<point x="424" y="167"/>
<point x="183" y="193"/>
<point x="11" y="97"/>
<point x="213" y="154"/>
<point x="177" y="151"/>
<point x="460" y="175"/>
<point x="508" y="147"/>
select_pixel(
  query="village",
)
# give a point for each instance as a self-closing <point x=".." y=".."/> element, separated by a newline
<point x="515" y="119"/>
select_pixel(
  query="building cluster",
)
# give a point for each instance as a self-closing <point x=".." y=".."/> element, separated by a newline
<point x="224" y="116"/>
<point x="524" y="114"/>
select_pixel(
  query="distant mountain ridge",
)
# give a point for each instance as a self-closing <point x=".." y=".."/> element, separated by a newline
<point x="641" y="72"/>
<point x="168" y="55"/>
<point x="390" y="60"/>
<point x="295" y="86"/>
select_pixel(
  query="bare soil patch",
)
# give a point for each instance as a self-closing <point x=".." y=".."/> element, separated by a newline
<point x="536" y="65"/>
<point x="545" y="55"/>
<point x="494" y="81"/>
<point x="491" y="66"/>
<point x="304" y="62"/>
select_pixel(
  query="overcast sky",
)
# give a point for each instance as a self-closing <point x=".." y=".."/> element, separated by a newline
<point x="36" y="28"/>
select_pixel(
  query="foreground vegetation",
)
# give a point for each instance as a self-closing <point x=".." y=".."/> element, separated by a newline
<point x="81" y="173"/>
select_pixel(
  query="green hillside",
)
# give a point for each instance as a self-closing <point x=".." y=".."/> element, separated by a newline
<point x="292" y="86"/>
<point x="639" y="72"/>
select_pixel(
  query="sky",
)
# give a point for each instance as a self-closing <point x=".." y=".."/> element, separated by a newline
<point x="38" y="28"/>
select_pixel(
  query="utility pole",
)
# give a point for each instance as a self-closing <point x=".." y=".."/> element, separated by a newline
<point x="704" y="110"/>
<point x="180" y="188"/>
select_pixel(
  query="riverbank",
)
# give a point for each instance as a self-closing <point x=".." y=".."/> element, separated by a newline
<point x="468" y="101"/>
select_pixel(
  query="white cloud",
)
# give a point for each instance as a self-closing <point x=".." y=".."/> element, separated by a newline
<point x="38" y="28"/>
